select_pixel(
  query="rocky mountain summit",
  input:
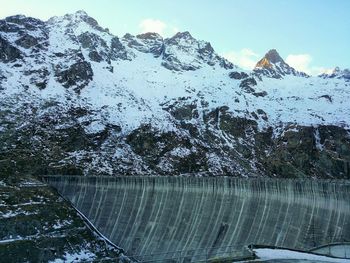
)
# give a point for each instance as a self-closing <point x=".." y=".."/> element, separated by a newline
<point x="75" y="99"/>
<point x="272" y="65"/>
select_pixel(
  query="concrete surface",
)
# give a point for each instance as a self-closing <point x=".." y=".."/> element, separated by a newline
<point x="154" y="215"/>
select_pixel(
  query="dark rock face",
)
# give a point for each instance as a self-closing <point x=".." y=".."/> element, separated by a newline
<point x="8" y="53"/>
<point x="39" y="77"/>
<point x="95" y="56"/>
<point x="214" y="142"/>
<point x="97" y="46"/>
<point x="153" y="41"/>
<point x="174" y="40"/>
<point x="182" y="111"/>
<point x="91" y="41"/>
<point x="28" y="23"/>
<point x="248" y="84"/>
<point x="269" y="72"/>
<point x="238" y="75"/>
<point x="298" y="152"/>
<point x="118" y="50"/>
<point x="260" y="94"/>
<point x="27" y="41"/>
<point x="235" y="126"/>
<point x="8" y="27"/>
<point x="46" y="227"/>
<point x="271" y="56"/>
<point x="77" y="75"/>
<point x="157" y="148"/>
<point x="224" y="63"/>
<point x="206" y="51"/>
<point x="301" y="154"/>
<point x="172" y="63"/>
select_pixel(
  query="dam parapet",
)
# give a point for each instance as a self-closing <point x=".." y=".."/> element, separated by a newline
<point x="159" y="215"/>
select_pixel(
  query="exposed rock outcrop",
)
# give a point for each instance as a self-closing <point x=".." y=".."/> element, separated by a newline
<point x="273" y="66"/>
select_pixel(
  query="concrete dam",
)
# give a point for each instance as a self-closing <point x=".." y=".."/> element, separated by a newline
<point x="163" y="217"/>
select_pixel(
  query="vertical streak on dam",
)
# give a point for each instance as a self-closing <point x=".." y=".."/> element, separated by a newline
<point x="149" y="215"/>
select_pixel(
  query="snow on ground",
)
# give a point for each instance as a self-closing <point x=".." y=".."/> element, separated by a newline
<point x="133" y="93"/>
<point x="337" y="250"/>
<point x="81" y="256"/>
<point x="4" y="241"/>
<point x="10" y="214"/>
<point x="280" y="254"/>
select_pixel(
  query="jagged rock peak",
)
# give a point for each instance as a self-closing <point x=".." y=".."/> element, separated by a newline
<point x="182" y="38"/>
<point x="22" y="20"/>
<point x="15" y="17"/>
<point x="80" y="14"/>
<point x="271" y="57"/>
<point x="149" y="35"/>
<point x="149" y="42"/>
<point x="77" y="18"/>
<point x="272" y="65"/>
<point x="184" y="35"/>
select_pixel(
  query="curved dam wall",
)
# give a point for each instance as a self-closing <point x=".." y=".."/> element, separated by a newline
<point x="151" y="215"/>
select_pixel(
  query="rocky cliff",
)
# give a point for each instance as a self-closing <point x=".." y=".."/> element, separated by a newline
<point x="75" y="99"/>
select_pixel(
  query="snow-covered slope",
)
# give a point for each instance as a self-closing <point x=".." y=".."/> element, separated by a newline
<point x="337" y="73"/>
<point x="71" y="72"/>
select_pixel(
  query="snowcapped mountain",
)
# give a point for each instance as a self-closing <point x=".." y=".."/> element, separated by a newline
<point x="272" y="65"/>
<point x="82" y="100"/>
<point x="337" y="73"/>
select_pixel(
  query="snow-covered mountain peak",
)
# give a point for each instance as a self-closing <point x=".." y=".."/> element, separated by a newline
<point x="146" y="43"/>
<point x="337" y="73"/>
<point x="184" y="52"/>
<point x="79" y="19"/>
<point x="272" y="57"/>
<point x="182" y="38"/>
<point x="272" y="65"/>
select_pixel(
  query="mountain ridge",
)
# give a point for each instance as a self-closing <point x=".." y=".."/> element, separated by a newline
<point x="85" y="101"/>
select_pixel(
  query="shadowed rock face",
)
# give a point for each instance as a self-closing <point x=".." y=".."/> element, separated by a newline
<point x="146" y="215"/>
<point x="77" y="75"/>
<point x="37" y="225"/>
<point x="8" y="53"/>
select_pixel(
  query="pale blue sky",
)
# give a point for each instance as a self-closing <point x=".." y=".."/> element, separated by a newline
<point x="316" y="32"/>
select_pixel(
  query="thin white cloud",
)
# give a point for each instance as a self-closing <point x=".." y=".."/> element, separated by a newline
<point x="245" y="58"/>
<point x="152" y="25"/>
<point x="302" y="62"/>
<point x="157" y="26"/>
